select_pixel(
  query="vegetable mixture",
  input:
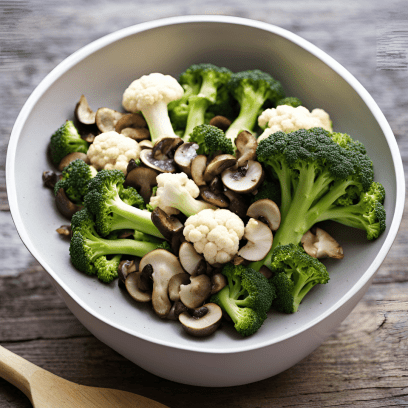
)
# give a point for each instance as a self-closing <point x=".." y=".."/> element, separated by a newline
<point x="204" y="197"/>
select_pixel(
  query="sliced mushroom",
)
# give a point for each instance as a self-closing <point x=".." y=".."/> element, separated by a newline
<point x="246" y="147"/>
<point x="184" y="155"/>
<point x="170" y="227"/>
<point x="218" y="282"/>
<point x="164" y="165"/>
<point x="130" y="121"/>
<point x="259" y="237"/>
<point x="146" y="144"/>
<point x="174" y="285"/>
<point x="198" y="166"/>
<point x="164" y="265"/>
<point x="216" y="185"/>
<point x="238" y="260"/>
<point x="138" y="134"/>
<point x="65" y="206"/>
<point x="125" y="268"/>
<point x="176" y="310"/>
<point x="106" y="119"/>
<point x="321" y="245"/>
<point x="143" y="179"/>
<point x="83" y="112"/>
<point x="65" y="230"/>
<point x="69" y="158"/>
<point x="266" y="272"/>
<point x="204" y="325"/>
<point x="166" y="146"/>
<point x="196" y="292"/>
<point x="49" y="179"/>
<point x="191" y="261"/>
<point x="220" y="122"/>
<point x="244" y="179"/>
<point x="132" y="284"/>
<point x="265" y="209"/>
<point x="220" y="200"/>
<point x="217" y="165"/>
<point x="238" y="204"/>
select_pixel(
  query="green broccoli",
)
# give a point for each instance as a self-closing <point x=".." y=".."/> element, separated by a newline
<point x="107" y="269"/>
<point x="201" y="83"/>
<point x="113" y="205"/>
<point x="247" y="298"/>
<point x="75" y="179"/>
<point x="255" y="91"/>
<point x="87" y="247"/>
<point x="211" y="139"/>
<point x="295" y="274"/>
<point x="269" y="189"/>
<point x="66" y="140"/>
<point x="291" y="101"/>
<point x="321" y="180"/>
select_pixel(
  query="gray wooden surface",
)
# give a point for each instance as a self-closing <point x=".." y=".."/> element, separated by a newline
<point x="364" y="363"/>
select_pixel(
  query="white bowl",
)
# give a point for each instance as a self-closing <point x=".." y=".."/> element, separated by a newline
<point x="101" y="71"/>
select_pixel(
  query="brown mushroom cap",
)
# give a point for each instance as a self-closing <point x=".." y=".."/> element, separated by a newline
<point x="184" y="155"/>
<point x="83" y="112"/>
<point x="130" y="120"/>
<point x="246" y="147"/>
<point x="217" y="199"/>
<point x="217" y="165"/>
<point x="266" y="272"/>
<point x="198" y="166"/>
<point x="204" y="325"/>
<point x="174" y="285"/>
<point x="176" y="310"/>
<point x="220" y="122"/>
<point x="191" y="260"/>
<point x="321" y="245"/>
<point x="64" y="205"/>
<point x="138" y="134"/>
<point x="164" y="265"/>
<point x="161" y="165"/>
<point x="218" y="282"/>
<point x="238" y="204"/>
<point x="268" y="210"/>
<point x="260" y="239"/>
<point x="166" y="146"/>
<point x="143" y="179"/>
<point x="125" y="268"/>
<point x="106" y="119"/>
<point x="69" y="158"/>
<point x="50" y="178"/>
<point x="196" y="292"/>
<point x="132" y="284"/>
<point x="244" y="179"/>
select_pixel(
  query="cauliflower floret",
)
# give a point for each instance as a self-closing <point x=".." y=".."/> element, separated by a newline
<point x="111" y="150"/>
<point x="150" y="94"/>
<point x="175" y="193"/>
<point x="215" y="234"/>
<point x="287" y="119"/>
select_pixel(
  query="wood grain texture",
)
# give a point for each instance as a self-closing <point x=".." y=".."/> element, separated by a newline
<point x="364" y="364"/>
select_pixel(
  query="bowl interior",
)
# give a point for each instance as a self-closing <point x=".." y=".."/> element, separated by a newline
<point x="104" y="73"/>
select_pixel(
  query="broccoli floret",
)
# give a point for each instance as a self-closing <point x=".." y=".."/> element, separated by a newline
<point x="113" y="205"/>
<point x="66" y="140"/>
<point x="247" y="298"/>
<point x="295" y="274"/>
<point x="291" y="101"/>
<point x="255" y="91"/>
<point x="107" y="269"/>
<point x="211" y="139"/>
<point x="269" y="189"/>
<point x="201" y="83"/>
<point x="321" y="180"/>
<point x="87" y="247"/>
<point x="75" y="179"/>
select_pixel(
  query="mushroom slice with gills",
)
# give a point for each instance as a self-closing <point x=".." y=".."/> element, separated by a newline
<point x="64" y="205"/>
<point x="125" y="268"/>
<point x="69" y="158"/>
<point x="217" y="165"/>
<point x="206" y="323"/>
<point x="244" y="179"/>
<point x="259" y="237"/>
<point x="198" y="166"/>
<point x="83" y="113"/>
<point x="174" y="285"/>
<point x="218" y="199"/>
<point x="265" y="209"/>
<point x="146" y="144"/>
<point x="218" y="282"/>
<point x="164" y="165"/>
<point x="130" y="120"/>
<point x="191" y="260"/>
<point x="137" y="134"/>
<point x="106" y="119"/>
<point x="176" y="310"/>
<point x="246" y="147"/>
<point x="143" y="179"/>
<point x="321" y="245"/>
<point x="238" y="204"/>
<point x="165" y="265"/>
<point x="196" y="292"/>
<point x="184" y="155"/>
<point x="132" y="284"/>
<point x="166" y="146"/>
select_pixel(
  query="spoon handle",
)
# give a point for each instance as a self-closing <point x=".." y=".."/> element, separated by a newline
<point x="16" y="370"/>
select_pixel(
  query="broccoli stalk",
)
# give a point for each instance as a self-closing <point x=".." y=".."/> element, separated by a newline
<point x="211" y="139"/>
<point x="252" y="89"/>
<point x="66" y="140"/>
<point x="247" y="298"/>
<point x="321" y="180"/>
<point x="112" y="205"/>
<point x="295" y="274"/>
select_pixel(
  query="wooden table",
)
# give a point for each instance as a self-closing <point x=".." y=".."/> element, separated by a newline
<point x="363" y="364"/>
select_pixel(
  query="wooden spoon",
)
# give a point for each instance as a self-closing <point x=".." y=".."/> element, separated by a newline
<point x="46" y="390"/>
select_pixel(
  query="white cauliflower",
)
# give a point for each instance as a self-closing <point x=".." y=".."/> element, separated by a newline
<point x="215" y="234"/>
<point x="150" y="94"/>
<point x="287" y="119"/>
<point x="111" y="150"/>
<point x="175" y="193"/>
